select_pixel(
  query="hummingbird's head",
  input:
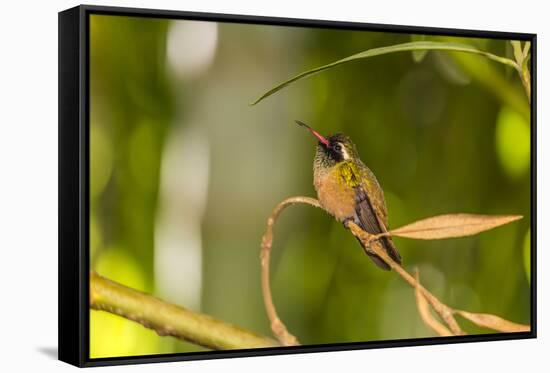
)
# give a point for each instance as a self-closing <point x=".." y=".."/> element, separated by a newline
<point x="333" y="149"/>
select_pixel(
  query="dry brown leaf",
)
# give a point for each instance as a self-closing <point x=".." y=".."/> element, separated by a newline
<point x="494" y="322"/>
<point x="452" y="225"/>
<point x="425" y="314"/>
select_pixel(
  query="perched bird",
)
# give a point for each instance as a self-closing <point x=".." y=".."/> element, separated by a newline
<point x="349" y="191"/>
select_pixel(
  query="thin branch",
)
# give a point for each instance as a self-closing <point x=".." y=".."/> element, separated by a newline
<point x="279" y="329"/>
<point x="525" y="76"/>
<point x="445" y="312"/>
<point x="169" y="319"/>
<point x="372" y="243"/>
<point x="172" y="320"/>
<point x="425" y="314"/>
<point x="521" y="55"/>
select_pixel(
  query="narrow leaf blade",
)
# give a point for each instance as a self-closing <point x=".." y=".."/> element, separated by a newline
<point x="452" y="225"/>
<point x="404" y="47"/>
<point x="494" y="322"/>
<point x="526" y="48"/>
<point x="418" y="54"/>
<point x="518" y="52"/>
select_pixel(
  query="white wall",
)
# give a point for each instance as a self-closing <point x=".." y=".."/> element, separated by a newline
<point x="28" y="183"/>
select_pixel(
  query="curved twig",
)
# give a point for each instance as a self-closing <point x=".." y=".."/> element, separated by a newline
<point x="279" y="329"/>
<point x="372" y="243"/>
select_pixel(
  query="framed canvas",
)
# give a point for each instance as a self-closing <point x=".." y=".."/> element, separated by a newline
<point x="236" y="186"/>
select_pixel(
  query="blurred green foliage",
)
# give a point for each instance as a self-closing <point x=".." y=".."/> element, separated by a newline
<point x="448" y="133"/>
<point x="513" y="143"/>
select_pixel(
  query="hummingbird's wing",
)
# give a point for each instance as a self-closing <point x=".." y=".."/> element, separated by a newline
<point x="365" y="211"/>
<point x="372" y="218"/>
<point x="378" y="202"/>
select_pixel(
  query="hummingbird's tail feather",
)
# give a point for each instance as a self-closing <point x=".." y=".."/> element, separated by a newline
<point x="391" y="249"/>
<point x="388" y="245"/>
<point x="371" y="218"/>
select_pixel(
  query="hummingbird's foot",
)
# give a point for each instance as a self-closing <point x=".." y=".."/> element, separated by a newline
<point x="347" y="221"/>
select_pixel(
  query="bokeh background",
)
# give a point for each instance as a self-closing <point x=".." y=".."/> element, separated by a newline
<point x="184" y="173"/>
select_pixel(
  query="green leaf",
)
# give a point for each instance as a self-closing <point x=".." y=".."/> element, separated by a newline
<point x="518" y="52"/>
<point x="405" y="47"/>
<point x="526" y="48"/>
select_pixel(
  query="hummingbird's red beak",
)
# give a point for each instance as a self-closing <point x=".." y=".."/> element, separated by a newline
<point x="320" y="137"/>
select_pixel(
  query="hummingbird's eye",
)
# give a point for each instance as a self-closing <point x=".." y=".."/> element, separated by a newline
<point x="338" y="147"/>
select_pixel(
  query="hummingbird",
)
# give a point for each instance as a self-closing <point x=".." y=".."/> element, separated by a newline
<point x="348" y="190"/>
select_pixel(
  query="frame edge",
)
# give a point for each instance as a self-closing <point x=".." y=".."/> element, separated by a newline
<point x="69" y="250"/>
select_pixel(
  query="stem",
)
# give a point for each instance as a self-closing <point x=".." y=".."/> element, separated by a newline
<point x="279" y="329"/>
<point x="445" y="312"/>
<point x="521" y="55"/>
<point x="424" y="310"/>
<point x="372" y="243"/>
<point x="526" y="80"/>
<point x="169" y="319"/>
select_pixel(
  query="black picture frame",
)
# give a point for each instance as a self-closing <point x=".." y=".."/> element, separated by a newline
<point x="74" y="184"/>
